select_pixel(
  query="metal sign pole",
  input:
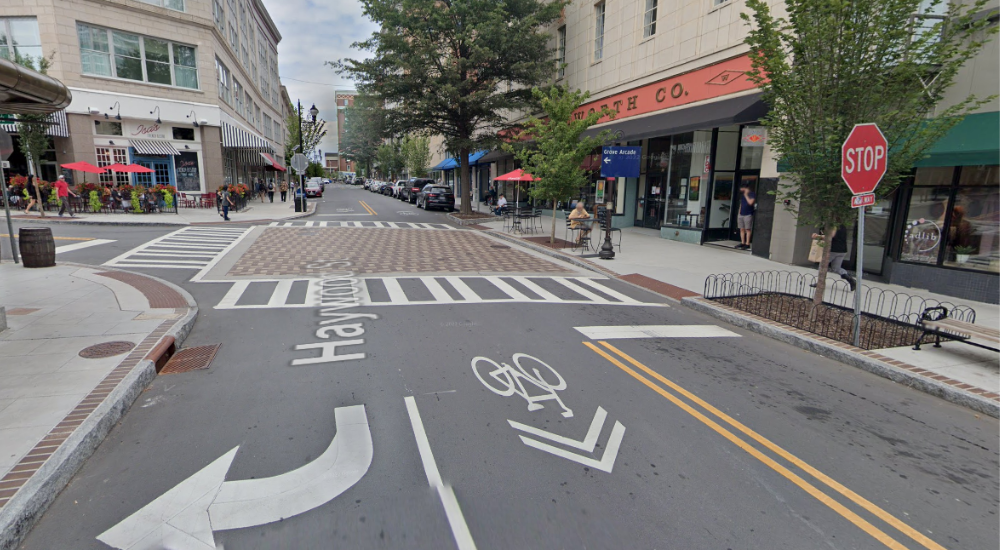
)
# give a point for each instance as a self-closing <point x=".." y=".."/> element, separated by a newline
<point x="6" y="208"/>
<point x="860" y="269"/>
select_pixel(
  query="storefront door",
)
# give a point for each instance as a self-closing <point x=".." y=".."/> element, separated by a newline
<point x="649" y="209"/>
<point x="748" y="178"/>
<point x="162" y="174"/>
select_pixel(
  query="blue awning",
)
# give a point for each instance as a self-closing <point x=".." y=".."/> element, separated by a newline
<point x="474" y="157"/>
<point x="446" y="164"/>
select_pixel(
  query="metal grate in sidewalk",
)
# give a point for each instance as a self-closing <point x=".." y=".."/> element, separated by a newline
<point x="190" y="359"/>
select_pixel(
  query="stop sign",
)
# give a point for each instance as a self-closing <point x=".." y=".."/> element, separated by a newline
<point x="863" y="158"/>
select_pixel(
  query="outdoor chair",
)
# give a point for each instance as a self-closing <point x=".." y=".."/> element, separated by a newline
<point x="601" y="220"/>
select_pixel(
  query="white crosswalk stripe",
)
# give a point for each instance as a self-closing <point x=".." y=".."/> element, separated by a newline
<point x="426" y="290"/>
<point x="187" y="248"/>
<point x="365" y="225"/>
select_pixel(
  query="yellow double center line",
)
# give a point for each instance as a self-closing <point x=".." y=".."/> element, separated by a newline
<point x="770" y="462"/>
<point x="368" y="208"/>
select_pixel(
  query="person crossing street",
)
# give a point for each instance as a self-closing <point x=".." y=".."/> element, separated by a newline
<point x="63" y="192"/>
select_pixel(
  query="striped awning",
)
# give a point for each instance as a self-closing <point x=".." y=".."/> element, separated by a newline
<point x="237" y="137"/>
<point x="152" y="147"/>
<point x="57" y="126"/>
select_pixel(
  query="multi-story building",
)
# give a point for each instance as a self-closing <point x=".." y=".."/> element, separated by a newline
<point x="675" y="74"/>
<point x="342" y="99"/>
<point x="188" y="88"/>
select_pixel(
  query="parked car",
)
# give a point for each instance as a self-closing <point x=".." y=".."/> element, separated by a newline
<point x="314" y="189"/>
<point x="412" y="187"/>
<point x="397" y="187"/>
<point x="387" y="188"/>
<point x="359" y="181"/>
<point x="436" y="196"/>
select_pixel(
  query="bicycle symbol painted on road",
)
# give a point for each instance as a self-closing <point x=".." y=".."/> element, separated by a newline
<point x="506" y="381"/>
<point x="406" y="213"/>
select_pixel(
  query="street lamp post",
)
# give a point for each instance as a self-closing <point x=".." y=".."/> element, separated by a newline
<point x="301" y="195"/>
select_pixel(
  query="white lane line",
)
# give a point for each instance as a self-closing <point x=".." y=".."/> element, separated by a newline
<point x="396" y="294"/>
<point x="201" y="274"/>
<point x="463" y="289"/>
<point x="393" y="225"/>
<point x="613" y="293"/>
<point x="171" y="254"/>
<point x="532" y="286"/>
<point x="314" y="296"/>
<point x="438" y="291"/>
<point x="280" y="295"/>
<point x="229" y="300"/>
<point x="459" y="529"/>
<point x="507" y="289"/>
<point x="309" y="224"/>
<point x="578" y="290"/>
<point x="188" y="263"/>
<point x="82" y="245"/>
<point x="655" y="331"/>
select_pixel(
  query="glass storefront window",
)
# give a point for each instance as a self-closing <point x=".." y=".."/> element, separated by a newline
<point x="973" y="231"/>
<point x="924" y="225"/>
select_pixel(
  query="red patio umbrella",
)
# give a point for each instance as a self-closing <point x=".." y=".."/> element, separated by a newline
<point x="518" y="176"/>
<point x="85" y="167"/>
<point x="138" y="169"/>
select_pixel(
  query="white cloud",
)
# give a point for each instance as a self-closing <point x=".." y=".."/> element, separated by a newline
<point x="314" y="32"/>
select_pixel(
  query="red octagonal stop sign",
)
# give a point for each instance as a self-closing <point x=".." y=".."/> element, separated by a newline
<point x="863" y="158"/>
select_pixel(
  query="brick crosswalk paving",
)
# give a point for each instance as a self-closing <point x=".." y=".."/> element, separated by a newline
<point x="290" y="251"/>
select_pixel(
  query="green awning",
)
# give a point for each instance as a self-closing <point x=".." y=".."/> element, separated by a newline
<point x="973" y="142"/>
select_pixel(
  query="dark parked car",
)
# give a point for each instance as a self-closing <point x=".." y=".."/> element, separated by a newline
<point x="436" y="196"/>
<point x="412" y="187"/>
<point x="314" y="189"/>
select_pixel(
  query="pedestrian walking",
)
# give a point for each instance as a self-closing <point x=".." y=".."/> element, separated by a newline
<point x="270" y="190"/>
<point x="745" y="219"/>
<point x="838" y="251"/>
<point x="30" y="188"/>
<point x="284" y="191"/>
<point x="260" y="190"/>
<point x="63" y="192"/>
<point x="226" y="200"/>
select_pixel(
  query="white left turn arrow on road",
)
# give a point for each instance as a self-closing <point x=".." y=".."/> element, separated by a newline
<point x="185" y="516"/>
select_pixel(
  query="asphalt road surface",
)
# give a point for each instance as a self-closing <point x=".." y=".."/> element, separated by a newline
<point x="507" y="404"/>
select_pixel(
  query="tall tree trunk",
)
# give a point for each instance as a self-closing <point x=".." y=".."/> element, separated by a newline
<point x="35" y="169"/>
<point x="824" y="264"/>
<point x="552" y="236"/>
<point x="463" y="155"/>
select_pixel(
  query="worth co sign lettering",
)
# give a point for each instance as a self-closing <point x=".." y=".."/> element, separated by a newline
<point x="727" y="77"/>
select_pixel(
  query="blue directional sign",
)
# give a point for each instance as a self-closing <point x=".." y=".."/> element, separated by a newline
<point x="620" y="162"/>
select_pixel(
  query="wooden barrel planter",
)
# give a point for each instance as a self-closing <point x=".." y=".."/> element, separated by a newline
<point x="37" y="247"/>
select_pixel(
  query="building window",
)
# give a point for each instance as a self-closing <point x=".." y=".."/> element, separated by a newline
<point x="929" y="13"/>
<point x="256" y="117"/>
<point x="951" y="218"/>
<point x="265" y="88"/>
<point x="277" y="131"/>
<point x="561" y="51"/>
<point x="599" y="12"/>
<point x="234" y="37"/>
<point x="267" y="126"/>
<point x="177" y="5"/>
<point x="19" y="39"/>
<point x="220" y="16"/>
<point x="649" y="20"/>
<point x="224" y="90"/>
<point x="248" y="106"/>
<point x="117" y="54"/>
<point x="719" y="2"/>
<point x="107" y="128"/>
<point x="106" y="156"/>
<point x="237" y="96"/>
<point x="183" y="134"/>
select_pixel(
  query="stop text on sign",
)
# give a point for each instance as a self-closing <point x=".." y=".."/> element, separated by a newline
<point x="864" y="158"/>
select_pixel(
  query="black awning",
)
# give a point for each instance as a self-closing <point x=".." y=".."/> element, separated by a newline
<point x="25" y="91"/>
<point x="738" y="110"/>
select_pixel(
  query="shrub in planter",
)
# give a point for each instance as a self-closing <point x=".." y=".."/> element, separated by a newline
<point x="95" y="202"/>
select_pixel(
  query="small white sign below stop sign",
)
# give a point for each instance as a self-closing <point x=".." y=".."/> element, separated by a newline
<point x="863" y="159"/>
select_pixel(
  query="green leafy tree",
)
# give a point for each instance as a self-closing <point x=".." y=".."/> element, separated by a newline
<point x="312" y="133"/>
<point x="832" y="64"/>
<point x="366" y="127"/>
<point x="315" y="170"/>
<point x="558" y="150"/>
<point x="417" y="153"/>
<point x="455" y="68"/>
<point x="390" y="159"/>
<point x="31" y="129"/>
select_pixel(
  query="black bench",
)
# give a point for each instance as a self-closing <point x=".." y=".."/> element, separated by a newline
<point x="935" y="321"/>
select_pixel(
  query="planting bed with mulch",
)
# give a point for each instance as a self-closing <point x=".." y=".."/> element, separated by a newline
<point x="825" y="320"/>
<point x="544" y="241"/>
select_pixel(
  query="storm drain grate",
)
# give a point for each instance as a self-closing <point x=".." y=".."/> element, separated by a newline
<point x="107" y="349"/>
<point x="191" y="359"/>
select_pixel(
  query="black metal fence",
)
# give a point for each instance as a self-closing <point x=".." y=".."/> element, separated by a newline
<point x="889" y="318"/>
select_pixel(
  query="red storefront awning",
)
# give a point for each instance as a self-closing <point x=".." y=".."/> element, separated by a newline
<point x="273" y="163"/>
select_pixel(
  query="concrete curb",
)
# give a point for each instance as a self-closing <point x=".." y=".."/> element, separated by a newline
<point x="70" y="221"/>
<point x="551" y="253"/>
<point x="849" y="357"/>
<point x="28" y="505"/>
<point x="473" y="221"/>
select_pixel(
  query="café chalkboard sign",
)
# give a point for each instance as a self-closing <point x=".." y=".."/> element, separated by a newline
<point x="188" y="178"/>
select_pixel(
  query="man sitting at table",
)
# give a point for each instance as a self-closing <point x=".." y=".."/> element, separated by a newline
<point x="579" y="213"/>
<point x="501" y="205"/>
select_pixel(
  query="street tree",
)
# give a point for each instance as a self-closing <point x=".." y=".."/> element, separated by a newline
<point x="830" y="65"/>
<point x="312" y="133"/>
<point x="417" y="153"/>
<point x="390" y="159"/>
<point x="315" y="170"/>
<point x="31" y="128"/>
<point x="456" y="68"/>
<point x="366" y="127"/>
<point x="552" y="148"/>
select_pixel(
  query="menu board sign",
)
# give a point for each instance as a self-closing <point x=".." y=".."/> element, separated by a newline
<point x="186" y="168"/>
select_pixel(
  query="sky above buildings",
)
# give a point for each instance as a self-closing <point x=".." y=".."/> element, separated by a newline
<point x="312" y="33"/>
